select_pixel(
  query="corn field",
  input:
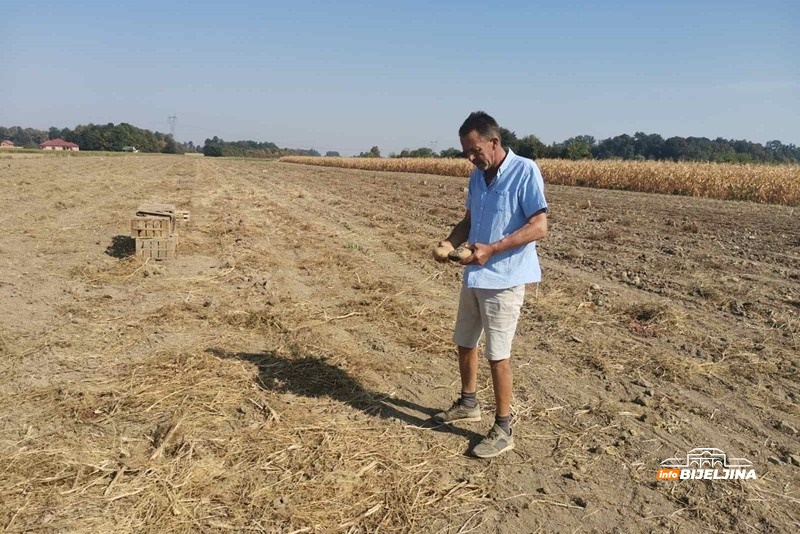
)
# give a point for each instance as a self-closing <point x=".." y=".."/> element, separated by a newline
<point x="773" y="184"/>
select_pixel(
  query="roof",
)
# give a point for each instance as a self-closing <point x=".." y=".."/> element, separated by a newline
<point x="58" y="142"/>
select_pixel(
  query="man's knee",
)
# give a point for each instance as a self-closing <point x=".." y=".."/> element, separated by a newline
<point x="500" y="364"/>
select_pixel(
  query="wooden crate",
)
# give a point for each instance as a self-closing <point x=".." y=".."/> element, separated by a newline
<point x="163" y="210"/>
<point x="181" y="218"/>
<point x="151" y="227"/>
<point x="158" y="248"/>
<point x="157" y="210"/>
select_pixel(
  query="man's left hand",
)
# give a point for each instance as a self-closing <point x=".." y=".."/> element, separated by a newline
<point x="480" y="255"/>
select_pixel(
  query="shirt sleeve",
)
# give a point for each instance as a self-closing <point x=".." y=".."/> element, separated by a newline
<point x="531" y="195"/>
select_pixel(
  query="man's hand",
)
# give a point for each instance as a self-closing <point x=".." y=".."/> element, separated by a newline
<point x="480" y="254"/>
<point x="441" y="250"/>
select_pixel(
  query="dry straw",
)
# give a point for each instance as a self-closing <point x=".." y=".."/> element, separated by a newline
<point x="203" y="438"/>
<point x="177" y="425"/>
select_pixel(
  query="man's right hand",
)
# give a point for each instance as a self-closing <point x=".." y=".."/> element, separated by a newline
<point x="441" y="250"/>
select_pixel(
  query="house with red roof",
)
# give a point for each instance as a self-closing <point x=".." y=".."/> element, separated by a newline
<point x="58" y="144"/>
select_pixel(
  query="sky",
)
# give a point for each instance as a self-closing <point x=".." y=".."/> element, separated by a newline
<point x="349" y="75"/>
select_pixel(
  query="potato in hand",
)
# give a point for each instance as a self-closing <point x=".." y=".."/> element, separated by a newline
<point x="441" y="251"/>
<point x="461" y="253"/>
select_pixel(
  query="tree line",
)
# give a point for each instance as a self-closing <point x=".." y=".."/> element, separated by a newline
<point x="106" y="137"/>
<point x="216" y="147"/>
<point x="115" y="138"/>
<point x="639" y="146"/>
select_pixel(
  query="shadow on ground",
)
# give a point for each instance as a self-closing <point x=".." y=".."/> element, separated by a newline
<point x="313" y="377"/>
<point x="121" y="246"/>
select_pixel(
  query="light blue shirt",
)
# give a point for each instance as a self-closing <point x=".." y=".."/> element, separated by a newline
<point x="515" y="194"/>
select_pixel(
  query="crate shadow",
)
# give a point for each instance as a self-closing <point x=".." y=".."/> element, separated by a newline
<point x="122" y="246"/>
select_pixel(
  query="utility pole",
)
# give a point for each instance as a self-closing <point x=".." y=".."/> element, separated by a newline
<point x="172" y="120"/>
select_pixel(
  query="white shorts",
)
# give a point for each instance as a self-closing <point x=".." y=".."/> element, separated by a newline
<point x="494" y="311"/>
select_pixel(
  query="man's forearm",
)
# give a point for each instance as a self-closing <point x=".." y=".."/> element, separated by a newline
<point x="460" y="233"/>
<point x="534" y="230"/>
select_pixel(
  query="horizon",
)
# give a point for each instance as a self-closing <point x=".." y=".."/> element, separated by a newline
<point x="200" y="144"/>
<point x="354" y="75"/>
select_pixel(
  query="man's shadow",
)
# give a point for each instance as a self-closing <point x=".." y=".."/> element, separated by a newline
<point x="314" y="377"/>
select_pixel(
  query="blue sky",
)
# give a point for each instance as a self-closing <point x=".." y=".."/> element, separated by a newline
<point x="348" y="75"/>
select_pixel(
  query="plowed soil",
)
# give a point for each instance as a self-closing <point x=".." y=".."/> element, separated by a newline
<point x="278" y="376"/>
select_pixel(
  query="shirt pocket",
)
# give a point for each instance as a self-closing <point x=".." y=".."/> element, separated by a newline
<point x="502" y="202"/>
<point x="501" y="213"/>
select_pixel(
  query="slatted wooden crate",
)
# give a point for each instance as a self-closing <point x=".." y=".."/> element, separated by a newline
<point x="181" y="218"/>
<point x="148" y="227"/>
<point x="158" y="248"/>
<point x="159" y="210"/>
<point x="154" y="228"/>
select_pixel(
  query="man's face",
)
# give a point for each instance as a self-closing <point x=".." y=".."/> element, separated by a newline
<point x="479" y="151"/>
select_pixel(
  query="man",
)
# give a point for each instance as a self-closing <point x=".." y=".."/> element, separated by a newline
<point x="506" y="213"/>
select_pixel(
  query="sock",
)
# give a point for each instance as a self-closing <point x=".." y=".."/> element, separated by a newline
<point x="504" y="422"/>
<point x="469" y="400"/>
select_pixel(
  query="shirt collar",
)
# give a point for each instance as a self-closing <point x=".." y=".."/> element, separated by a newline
<point x="506" y="162"/>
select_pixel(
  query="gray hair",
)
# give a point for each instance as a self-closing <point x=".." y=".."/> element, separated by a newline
<point x="481" y="122"/>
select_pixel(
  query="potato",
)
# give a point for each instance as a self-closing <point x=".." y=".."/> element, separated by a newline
<point x="461" y="253"/>
<point x="441" y="253"/>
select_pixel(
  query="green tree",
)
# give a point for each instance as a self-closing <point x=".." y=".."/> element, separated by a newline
<point x="171" y="147"/>
<point x="675" y="148"/>
<point x="23" y="138"/>
<point x="213" y="147"/>
<point x="451" y="153"/>
<point x="374" y="152"/>
<point x="649" y="146"/>
<point x="531" y="147"/>
<point x="579" y="147"/>
<point x="621" y="146"/>
<point x="509" y="139"/>
<point x="331" y="154"/>
<point x="422" y="152"/>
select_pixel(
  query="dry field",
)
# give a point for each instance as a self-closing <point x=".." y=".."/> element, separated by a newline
<point x="278" y="376"/>
<point x="773" y="184"/>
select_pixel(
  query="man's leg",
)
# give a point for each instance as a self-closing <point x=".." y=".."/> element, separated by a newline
<point x="499" y="438"/>
<point x="466" y="407"/>
<point x="501" y="311"/>
<point x="466" y="336"/>
<point x="501" y="380"/>
<point x="468" y="367"/>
